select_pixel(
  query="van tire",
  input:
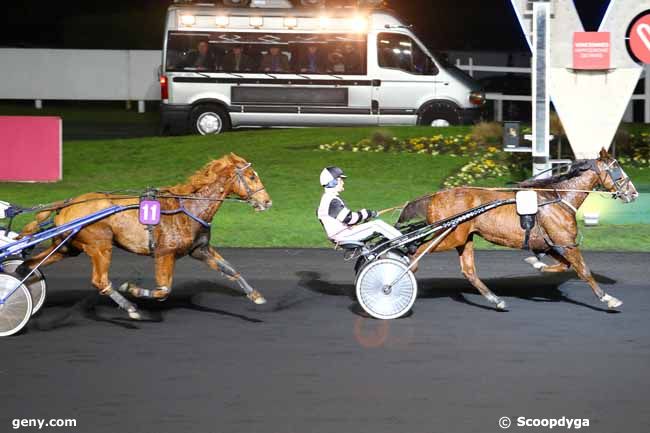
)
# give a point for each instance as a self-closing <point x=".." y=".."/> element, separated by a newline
<point x="440" y="114"/>
<point x="209" y="119"/>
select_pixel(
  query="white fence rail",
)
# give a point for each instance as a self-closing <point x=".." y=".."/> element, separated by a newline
<point x="498" y="98"/>
<point x="103" y="75"/>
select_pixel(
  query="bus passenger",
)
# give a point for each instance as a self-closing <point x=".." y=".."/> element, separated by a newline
<point x="336" y="62"/>
<point x="311" y="62"/>
<point x="275" y="61"/>
<point x="202" y="59"/>
<point x="237" y="61"/>
<point x="352" y="59"/>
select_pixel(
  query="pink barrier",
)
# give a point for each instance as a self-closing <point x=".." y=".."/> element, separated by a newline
<point x="30" y="149"/>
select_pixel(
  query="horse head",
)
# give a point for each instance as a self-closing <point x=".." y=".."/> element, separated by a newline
<point x="247" y="184"/>
<point x="613" y="178"/>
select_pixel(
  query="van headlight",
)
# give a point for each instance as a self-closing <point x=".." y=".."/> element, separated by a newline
<point x="477" y="98"/>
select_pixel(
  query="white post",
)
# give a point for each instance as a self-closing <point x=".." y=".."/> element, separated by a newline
<point x="128" y="105"/>
<point x="38" y="104"/>
<point x="498" y="110"/>
<point x="471" y="66"/>
<point x="140" y="106"/>
<point x="646" y="100"/>
<point x="540" y="82"/>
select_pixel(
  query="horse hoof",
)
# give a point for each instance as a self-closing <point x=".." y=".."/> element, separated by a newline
<point x="612" y="302"/>
<point x="535" y="263"/>
<point x="256" y="297"/>
<point x="124" y="288"/>
<point x="143" y="316"/>
<point x="135" y="315"/>
<point x="501" y="305"/>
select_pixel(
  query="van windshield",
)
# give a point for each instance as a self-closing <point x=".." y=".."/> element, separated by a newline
<point x="338" y="54"/>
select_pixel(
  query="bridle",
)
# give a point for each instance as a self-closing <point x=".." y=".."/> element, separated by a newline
<point x="619" y="179"/>
<point x="239" y="173"/>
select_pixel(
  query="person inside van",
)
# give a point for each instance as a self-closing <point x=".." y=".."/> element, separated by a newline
<point x="311" y="62"/>
<point x="336" y="62"/>
<point x="275" y="61"/>
<point x="237" y="61"/>
<point x="202" y="59"/>
<point x="351" y="59"/>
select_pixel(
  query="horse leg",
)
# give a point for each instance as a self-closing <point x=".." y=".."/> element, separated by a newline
<point x="574" y="257"/>
<point x="211" y="257"/>
<point x="100" y="257"/>
<point x="562" y="264"/>
<point x="467" y="266"/>
<point x="31" y="263"/>
<point x="164" y="274"/>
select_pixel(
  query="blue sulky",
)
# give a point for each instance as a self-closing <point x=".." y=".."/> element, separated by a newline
<point x="69" y="230"/>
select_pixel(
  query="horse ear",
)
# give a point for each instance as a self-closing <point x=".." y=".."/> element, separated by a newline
<point x="603" y="154"/>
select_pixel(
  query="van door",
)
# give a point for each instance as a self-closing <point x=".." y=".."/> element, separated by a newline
<point x="405" y="79"/>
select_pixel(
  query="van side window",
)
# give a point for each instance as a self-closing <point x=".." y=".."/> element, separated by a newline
<point x="240" y="52"/>
<point x="398" y="51"/>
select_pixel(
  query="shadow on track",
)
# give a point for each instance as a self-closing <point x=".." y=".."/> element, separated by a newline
<point x="98" y="308"/>
<point x="539" y="288"/>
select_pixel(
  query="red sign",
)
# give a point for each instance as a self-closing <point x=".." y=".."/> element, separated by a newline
<point x="30" y="149"/>
<point x="591" y="50"/>
<point x="639" y="38"/>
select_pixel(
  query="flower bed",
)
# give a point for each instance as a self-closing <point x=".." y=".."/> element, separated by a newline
<point x="486" y="161"/>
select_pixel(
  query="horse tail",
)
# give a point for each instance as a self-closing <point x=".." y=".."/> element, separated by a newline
<point x="34" y="226"/>
<point x="415" y="209"/>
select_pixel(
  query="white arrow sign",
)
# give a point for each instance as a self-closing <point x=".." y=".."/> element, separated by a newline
<point x="590" y="104"/>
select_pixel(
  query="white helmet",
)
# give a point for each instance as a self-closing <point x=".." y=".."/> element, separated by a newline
<point x="329" y="176"/>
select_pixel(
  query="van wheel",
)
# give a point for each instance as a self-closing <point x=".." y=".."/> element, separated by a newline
<point x="440" y="115"/>
<point x="209" y="120"/>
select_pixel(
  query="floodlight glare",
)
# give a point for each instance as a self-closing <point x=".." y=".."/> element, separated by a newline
<point x="188" y="20"/>
<point x="221" y="20"/>
<point x="256" y="21"/>
<point x="359" y="24"/>
<point x="324" y="22"/>
<point x="291" y="22"/>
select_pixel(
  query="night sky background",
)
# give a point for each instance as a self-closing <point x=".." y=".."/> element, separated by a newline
<point x="138" y="24"/>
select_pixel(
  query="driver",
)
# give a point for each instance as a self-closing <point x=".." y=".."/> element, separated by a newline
<point x="342" y="224"/>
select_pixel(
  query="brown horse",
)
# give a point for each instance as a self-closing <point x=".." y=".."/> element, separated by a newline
<point x="554" y="233"/>
<point x="187" y="210"/>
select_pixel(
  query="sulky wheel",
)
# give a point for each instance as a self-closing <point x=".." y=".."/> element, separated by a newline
<point x="36" y="283"/>
<point x="16" y="310"/>
<point x="375" y="293"/>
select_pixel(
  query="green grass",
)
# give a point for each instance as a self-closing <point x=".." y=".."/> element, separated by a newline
<point x="287" y="161"/>
<point x="289" y="164"/>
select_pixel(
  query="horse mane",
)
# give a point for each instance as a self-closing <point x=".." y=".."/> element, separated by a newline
<point x="206" y="175"/>
<point x="575" y="170"/>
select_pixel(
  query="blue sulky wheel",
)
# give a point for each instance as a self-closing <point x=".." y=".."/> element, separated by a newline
<point x="379" y="292"/>
<point x="16" y="310"/>
<point x="35" y="283"/>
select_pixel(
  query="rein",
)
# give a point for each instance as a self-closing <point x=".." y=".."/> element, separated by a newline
<point x="15" y="211"/>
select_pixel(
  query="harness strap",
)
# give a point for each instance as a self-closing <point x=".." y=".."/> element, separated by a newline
<point x="569" y="205"/>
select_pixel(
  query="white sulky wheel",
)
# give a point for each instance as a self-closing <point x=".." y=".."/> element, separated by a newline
<point x="17" y="308"/>
<point x="36" y="283"/>
<point x="377" y="298"/>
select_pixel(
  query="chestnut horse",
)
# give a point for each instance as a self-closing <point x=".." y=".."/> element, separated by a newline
<point x="554" y="233"/>
<point x="187" y="210"/>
